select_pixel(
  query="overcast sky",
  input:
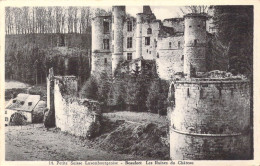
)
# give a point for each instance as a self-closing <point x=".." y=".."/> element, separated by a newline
<point x="161" y="12"/>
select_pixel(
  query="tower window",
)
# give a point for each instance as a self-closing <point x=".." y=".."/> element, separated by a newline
<point x="129" y="42"/>
<point x="6" y="119"/>
<point x="147" y="41"/>
<point x="129" y="56"/>
<point x="106" y="44"/>
<point x="129" y="26"/>
<point x="170" y="44"/>
<point x="195" y="42"/>
<point x="158" y="55"/>
<point x="149" y="31"/>
<point x="106" y="26"/>
<point x="105" y="61"/>
<point x="179" y="44"/>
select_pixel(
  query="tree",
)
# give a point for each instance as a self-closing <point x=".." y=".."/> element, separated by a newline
<point x="90" y="89"/>
<point x="157" y="97"/>
<point x="234" y="26"/>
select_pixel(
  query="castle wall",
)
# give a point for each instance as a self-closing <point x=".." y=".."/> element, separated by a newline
<point x="102" y="62"/>
<point x="127" y="34"/>
<point x="211" y="119"/>
<point x="169" y="60"/>
<point x="73" y="115"/>
<point x="195" y="38"/>
<point x="149" y="51"/>
<point x="176" y="23"/>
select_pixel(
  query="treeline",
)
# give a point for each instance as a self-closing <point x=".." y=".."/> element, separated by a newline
<point x="30" y="64"/>
<point x="24" y="20"/>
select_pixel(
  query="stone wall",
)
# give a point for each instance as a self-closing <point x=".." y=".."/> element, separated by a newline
<point x="101" y="62"/>
<point x="169" y="59"/>
<point x="80" y="117"/>
<point x="211" y="119"/>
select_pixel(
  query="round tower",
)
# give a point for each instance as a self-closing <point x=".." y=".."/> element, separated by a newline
<point x="139" y="18"/>
<point x="211" y="119"/>
<point x="97" y="39"/>
<point x="195" y="44"/>
<point x="118" y="16"/>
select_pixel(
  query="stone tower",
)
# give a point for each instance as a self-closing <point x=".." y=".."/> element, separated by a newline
<point x="195" y="38"/>
<point x="139" y="18"/>
<point x="210" y="118"/>
<point x="97" y="40"/>
<point x="101" y="45"/>
<point x="118" y="18"/>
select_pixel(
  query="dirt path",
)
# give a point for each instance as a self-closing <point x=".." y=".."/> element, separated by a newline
<point x="33" y="142"/>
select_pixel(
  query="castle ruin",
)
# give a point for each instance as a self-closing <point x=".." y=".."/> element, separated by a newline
<point x="210" y="114"/>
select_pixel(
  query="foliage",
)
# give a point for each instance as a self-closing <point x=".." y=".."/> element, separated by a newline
<point x="17" y="119"/>
<point x="157" y="97"/>
<point x="234" y="26"/>
<point x="90" y="89"/>
<point x="37" y="117"/>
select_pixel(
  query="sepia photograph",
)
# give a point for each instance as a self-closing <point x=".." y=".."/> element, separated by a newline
<point x="144" y="84"/>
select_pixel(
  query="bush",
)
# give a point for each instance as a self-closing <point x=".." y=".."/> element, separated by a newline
<point x="37" y="117"/>
<point x="90" y="89"/>
<point x="157" y="97"/>
<point x="18" y="119"/>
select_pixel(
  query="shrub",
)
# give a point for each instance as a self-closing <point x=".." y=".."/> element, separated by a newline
<point x="37" y="117"/>
<point x="18" y="119"/>
<point x="90" y="89"/>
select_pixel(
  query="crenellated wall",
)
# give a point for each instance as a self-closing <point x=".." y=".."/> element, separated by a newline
<point x="211" y="119"/>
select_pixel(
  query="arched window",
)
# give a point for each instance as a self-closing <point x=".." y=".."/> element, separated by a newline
<point x="179" y="44"/>
<point x="149" y="31"/>
<point x="170" y="44"/>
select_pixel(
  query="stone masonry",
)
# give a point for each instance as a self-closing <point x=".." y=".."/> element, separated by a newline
<point x="77" y="116"/>
<point x="119" y="38"/>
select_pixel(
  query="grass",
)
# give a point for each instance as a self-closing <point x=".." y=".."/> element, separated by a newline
<point x="138" y="117"/>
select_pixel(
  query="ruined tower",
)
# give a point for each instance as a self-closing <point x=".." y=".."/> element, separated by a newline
<point x="210" y="118"/>
<point x="118" y="18"/>
<point x="101" y="45"/>
<point x="195" y="38"/>
<point x="139" y="18"/>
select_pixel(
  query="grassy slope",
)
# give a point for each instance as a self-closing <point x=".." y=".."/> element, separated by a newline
<point x="141" y="134"/>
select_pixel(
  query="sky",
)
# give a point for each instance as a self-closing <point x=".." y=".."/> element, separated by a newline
<point x="161" y="12"/>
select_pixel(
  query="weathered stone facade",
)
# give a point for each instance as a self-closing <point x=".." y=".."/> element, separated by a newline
<point x="80" y="117"/>
<point x="148" y="38"/>
<point x="211" y="119"/>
